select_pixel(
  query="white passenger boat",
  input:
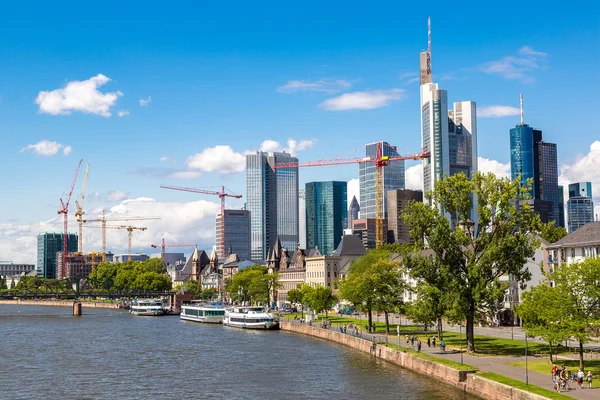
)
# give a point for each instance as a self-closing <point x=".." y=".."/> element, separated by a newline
<point x="202" y="312"/>
<point x="249" y="318"/>
<point x="146" y="307"/>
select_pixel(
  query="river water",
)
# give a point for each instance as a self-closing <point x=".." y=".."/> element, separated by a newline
<point x="45" y="353"/>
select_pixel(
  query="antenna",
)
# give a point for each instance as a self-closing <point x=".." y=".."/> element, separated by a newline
<point x="521" y="105"/>
<point x="429" y="46"/>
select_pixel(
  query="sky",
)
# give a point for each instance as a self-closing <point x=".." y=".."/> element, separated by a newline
<point x="150" y="93"/>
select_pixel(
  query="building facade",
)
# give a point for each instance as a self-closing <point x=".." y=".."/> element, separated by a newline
<point x="583" y="189"/>
<point x="366" y="230"/>
<point x="576" y="246"/>
<point x="580" y="211"/>
<point x="397" y="202"/>
<point x="302" y="218"/>
<point x="9" y="269"/>
<point x="353" y="211"/>
<point x="326" y="214"/>
<point x="272" y="199"/>
<point x="561" y="206"/>
<point x="48" y="244"/>
<point x="237" y="233"/>
<point x="121" y="258"/>
<point x="393" y="178"/>
<point x="547" y="178"/>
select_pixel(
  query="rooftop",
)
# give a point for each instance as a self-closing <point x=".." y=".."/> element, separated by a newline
<point x="589" y="234"/>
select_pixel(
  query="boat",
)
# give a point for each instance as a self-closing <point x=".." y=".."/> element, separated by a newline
<point x="249" y="318"/>
<point x="146" y="307"/>
<point x="202" y="312"/>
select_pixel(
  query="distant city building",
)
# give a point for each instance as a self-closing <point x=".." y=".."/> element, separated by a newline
<point x="561" y="206"/>
<point x="393" y="178"/>
<point x="397" y="201"/>
<point x="576" y="246"/>
<point x="580" y="207"/>
<point x="326" y="214"/>
<point x="353" y="211"/>
<point x="542" y="208"/>
<point x="237" y="233"/>
<point x="8" y="269"/>
<point x="79" y="265"/>
<point x="48" y="244"/>
<point x="547" y="178"/>
<point x="272" y="199"/>
<point x="365" y="229"/>
<point x="121" y="258"/>
<point x="583" y="189"/>
<point x="302" y="218"/>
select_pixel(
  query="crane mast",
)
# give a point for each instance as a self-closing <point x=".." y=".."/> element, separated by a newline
<point x="79" y="213"/>
<point x="65" y="211"/>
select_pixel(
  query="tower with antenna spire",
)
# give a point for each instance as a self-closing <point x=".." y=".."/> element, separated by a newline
<point x="425" y="59"/>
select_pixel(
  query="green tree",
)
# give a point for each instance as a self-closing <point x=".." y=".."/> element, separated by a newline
<point x="541" y="311"/>
<point x="429" y="307"/>
<point x="320" y="298"/>
<point x="104" y="275"/>
<point x="295" y="296"/>
<point x="472" y="255"/>
<point x="151" y="281"/>
<point x="252" y="284"/>
<point x="388" y="286"/>
<point x="551" y="233"/>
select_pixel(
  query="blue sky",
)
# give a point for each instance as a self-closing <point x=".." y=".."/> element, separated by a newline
<point x="239" y="73"/>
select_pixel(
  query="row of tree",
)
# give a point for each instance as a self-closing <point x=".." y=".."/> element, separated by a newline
<point x="253" y="284"/>
<point x="317" y="298"/>
<point x="131" y="276"/>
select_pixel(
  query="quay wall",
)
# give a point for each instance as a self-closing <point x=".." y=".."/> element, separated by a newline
<point x="467" y="381"/>
<point x="58" y="303"/>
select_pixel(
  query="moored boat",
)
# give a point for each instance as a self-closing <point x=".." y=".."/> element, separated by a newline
<point x="146" y="307"/>
<point x="203" y="312"/>
<point x="249" y="318"/>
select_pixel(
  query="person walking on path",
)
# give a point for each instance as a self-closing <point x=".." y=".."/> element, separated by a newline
<point x="428" y="342"/>
<point x="443" y="345"/>
<point x="588" y="378"/>
<point x="434" y="341"/>
<point x="418" y="345"/>
<point x="412" y="341"/>
<point x="580" y="376"/>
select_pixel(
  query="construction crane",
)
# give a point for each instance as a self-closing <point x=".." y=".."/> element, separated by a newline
<point x="64" y="210"/>
<point x="103" y="220"/>
<point x="129" y="229"/>
<point x="380" y="162"/>
<point x="163" y="246"/>
<point x="222" y="195"/>
<point x="79" y="213"/>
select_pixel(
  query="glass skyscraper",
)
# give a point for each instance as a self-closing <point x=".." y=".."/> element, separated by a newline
<point x="580" y="207"/>
<point x="237" y="233"/>
<point x="580" y="189"/>
<point x="561" y="206"/>
<point x="547" y="178"/>
<point x="302" y="218"/>
<point x="523" y="155"/>
<point x="393" y="178"/>
<point x="50" y="243"/>
<point x="272" y="199"/>
<point x="326" y="214"/>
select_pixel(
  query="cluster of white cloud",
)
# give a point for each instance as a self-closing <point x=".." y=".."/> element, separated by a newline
<point x="322" y="85"/>
<point x="362" y="100"/>
<point x="123" y="113"/>
<point x="497" y="111"/>
<point x="146" y="102"/>
<point x="47" y="148"/>
<point x="517" y="67"/>
<point x="82" y="96"/>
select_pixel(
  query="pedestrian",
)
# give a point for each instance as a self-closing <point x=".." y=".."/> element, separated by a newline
<point x="443" y="345"/>
<point x="554" y="370"/>
<point x="428" y="342"/>
<point x="418" y="345"/>
<point x="434" y="341"/>
<point x="345" y="328"/>
<point x="580" y="376"/>
<point x="588" y="378"/>
<point x="406" y="337"/>
<point x="412" y="341"/>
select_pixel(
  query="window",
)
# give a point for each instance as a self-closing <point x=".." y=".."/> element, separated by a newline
<point x="573" y="253"/>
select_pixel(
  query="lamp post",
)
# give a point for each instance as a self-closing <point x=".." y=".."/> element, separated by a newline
<point x="526" y="364"/>
<point x="460" y="340"/>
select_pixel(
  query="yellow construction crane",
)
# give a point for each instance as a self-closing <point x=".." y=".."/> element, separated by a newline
<point x="79" y="213"/>
<point x="129" y="229"/>
<point x="103" y="220"/>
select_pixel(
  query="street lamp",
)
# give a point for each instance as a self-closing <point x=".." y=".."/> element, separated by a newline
<point x="460" y="340"/>
<point x="526" y="365"/>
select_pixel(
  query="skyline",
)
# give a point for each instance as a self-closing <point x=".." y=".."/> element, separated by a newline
<point x="172" y="97"/>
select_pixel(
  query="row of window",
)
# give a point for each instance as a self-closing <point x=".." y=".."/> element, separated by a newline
<point x="253" y="320"/>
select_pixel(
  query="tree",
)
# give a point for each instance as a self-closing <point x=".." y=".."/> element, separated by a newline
<point x="388" y="285"/>
<point x="472" y="252"/>
<point x="551" y="233"/>
<point x="253" y="283"/>
<point x="541" y="311"/>
<point x="104" y="275"/>
<point x="429" y="306"/>
<point x="151" y="281"/>
<point x="295" y="296"/>
<point x="320" y="298"/>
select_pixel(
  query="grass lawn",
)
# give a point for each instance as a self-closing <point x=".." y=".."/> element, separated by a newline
<point x="544" y="367"/>
<point x="425" y="356"/>
<point x="521" y="385"/>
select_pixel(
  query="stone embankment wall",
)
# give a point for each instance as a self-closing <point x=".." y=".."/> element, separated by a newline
<point x="57" y="303"/>
<point x="467" y="381"/>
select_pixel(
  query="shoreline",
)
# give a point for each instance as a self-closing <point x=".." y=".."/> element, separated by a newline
<point x="58" y="303"/>
<point x="467" y="381"/>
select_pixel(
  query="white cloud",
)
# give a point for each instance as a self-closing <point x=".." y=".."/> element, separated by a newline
<point x="80" y="96"/>
<point x="322" y="85"/>
<point x="186" y="174"/>
<point x="116" y="195"/>
<point x="362" y="100"/>
<point x="353" y="190"/>
<point x="517" y="67"/>
<point x="497" y="111"/>
<point x="217" y="159"/>
<point x="584" y="169"/>
<point x="145" y="102"/>
<point x="499" y="169"/>
<point x="414" y="177"/>
<point x="181" y="222"/>
<point x="410" y="77"/>
<point x="123" y="113"/>
<point x="269" y="145"/>
<point x="47" y="148"/>
<point x="165" y="159"/>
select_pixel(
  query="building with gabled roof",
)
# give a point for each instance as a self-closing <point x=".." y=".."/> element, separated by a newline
<point x="576" y="246"/>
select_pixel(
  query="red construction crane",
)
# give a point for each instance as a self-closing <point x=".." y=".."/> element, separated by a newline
<point x="64" y="209"/>
<point x="222" y="195"/>
<point x="380" y="161"/>
<point x="163" y="246"/>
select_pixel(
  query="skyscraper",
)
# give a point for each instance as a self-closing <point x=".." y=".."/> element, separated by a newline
<point x="547" y="177"/>
<point x="49" y="244"/>
<point x="462" y="138"/>
<point x="580" y="207"/>
<point x="397" y="202"/>
<point x="561" y="206"/>
<point x="302" y="218"/>
<point x="237" y="233"/>
<point x="393" y="178"/>
<point x="353" y="211"/>
<point x="272" y="199"/>
<point x="326" y="214"/>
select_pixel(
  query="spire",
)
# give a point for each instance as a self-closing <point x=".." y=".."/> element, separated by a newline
<point x="522" y="114"/>
<point x="213" y="255"/>
<point x="429" y="45"/>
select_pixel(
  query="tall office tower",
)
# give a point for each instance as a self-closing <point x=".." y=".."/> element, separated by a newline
<point x="561" y="206"/>
<point x="547" y="177"/>
<point x="237" y="233"/>
<point x="49" y="244"/>
<point x="353" y="211"/>
<point x="397" y="202"/>
<point x="425" y="59"/>
<point x="580" y="207"/>
<point x="393" y="178"/>
<point x="272" y="199"/>
<point x="326" y="214"/>
<point x="302" y="218"/>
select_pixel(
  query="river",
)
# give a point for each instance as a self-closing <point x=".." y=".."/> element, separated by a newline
<point x="45" y="353"/>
